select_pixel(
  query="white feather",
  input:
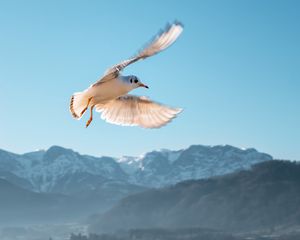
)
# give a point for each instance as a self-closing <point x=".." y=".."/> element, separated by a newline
<point x="132" y="110"/>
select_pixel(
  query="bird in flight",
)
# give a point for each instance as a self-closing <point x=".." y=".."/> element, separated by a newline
<point x="110" y="97"/>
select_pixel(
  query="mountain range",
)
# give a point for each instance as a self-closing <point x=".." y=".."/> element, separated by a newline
<point x="61" y="182"/>
<point x="60" y="170"/>
<point x="265" y="197"/>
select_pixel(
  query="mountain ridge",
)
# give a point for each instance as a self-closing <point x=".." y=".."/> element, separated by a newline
<point x="62" y="170"/>
<point x="263" y="197"/>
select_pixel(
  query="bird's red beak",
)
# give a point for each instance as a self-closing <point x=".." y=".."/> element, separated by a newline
<point x="143" y="85"/>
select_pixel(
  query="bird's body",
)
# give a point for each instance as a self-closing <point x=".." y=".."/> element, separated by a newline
<point x="109" y="94"/>
<point x="109" y="90"/>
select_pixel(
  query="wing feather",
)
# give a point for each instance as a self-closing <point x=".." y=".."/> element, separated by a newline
<point x="161" y="41"/>
<point x="132" y="110"/>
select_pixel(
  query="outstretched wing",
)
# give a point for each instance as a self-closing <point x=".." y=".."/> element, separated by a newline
<point x="132" y="110"/>
<point x="160" y="42"/>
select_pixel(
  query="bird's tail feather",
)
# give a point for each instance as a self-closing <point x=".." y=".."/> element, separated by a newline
<point x="78" y="103"/>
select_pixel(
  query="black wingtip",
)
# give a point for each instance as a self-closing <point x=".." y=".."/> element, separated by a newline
<point x="178" y="23"/>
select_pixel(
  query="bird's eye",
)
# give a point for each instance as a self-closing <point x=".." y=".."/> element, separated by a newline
<point x="130" y="80"/>
<point x="135" y="81"/>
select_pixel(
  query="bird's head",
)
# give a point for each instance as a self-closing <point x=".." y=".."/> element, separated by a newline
<point x="135" y="82"/>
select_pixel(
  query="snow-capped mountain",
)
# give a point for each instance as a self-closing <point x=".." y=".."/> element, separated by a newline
<point x="62" y="170"/>
<point x="165" y="167"/>
<point x="59" y="170"/>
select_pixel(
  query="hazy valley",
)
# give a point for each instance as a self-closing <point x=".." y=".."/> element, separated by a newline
<point x="224" y="188"/>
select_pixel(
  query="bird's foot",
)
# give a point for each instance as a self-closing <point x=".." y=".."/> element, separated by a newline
<point x="88" y="122"/>
<point x="83" y="111"/>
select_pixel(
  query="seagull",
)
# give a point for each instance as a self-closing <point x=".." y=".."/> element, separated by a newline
<point x="110" y="97"/>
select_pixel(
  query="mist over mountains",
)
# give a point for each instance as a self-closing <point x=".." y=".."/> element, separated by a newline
<point x="18" y="204"/>
<point x="64" y="184"/>
<point x="202" y="187"/>
<point x="266" y="197"/>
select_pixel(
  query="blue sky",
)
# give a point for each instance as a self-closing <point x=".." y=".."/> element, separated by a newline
<point x="234" y="70"/>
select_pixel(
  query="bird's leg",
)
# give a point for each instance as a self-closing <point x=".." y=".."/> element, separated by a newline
<point x="91" y="117"/>
<point x="83" y="111"/>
